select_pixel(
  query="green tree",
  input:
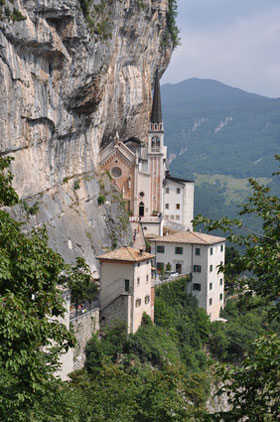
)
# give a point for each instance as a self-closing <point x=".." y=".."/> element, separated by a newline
<point x="31" y="303"/>
<point x="81" y="283"/>
<point x="253" y="389"/>
<point x="253" y="393"/>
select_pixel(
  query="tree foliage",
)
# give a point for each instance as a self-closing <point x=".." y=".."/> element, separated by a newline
<point x="253" y="386"/>
<point x="32" y="336"/>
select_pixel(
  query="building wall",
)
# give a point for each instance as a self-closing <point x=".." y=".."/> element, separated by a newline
<point x="143" y="182"/>
<point x="112" y="285"/>
<point x="188" y="207"/>
<point x="170" y="257"/>
<point x="118" y="310"/>
<point x="215" y="277"/>
<point x="112" y="280"/>
<point x="184" y="200"/>
<point x="142" y="292"/>
<point x="172" y="199"/>
<point x="211" y="283"/>
<point x="84" y="326"/>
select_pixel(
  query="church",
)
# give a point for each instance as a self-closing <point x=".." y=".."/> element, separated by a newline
<point x="139" y="168"/>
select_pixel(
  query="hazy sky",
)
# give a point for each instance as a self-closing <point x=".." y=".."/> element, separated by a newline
<point x="234" y="41"/>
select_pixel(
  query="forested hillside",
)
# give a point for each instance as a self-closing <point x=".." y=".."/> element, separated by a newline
<point x="220" y="136"/>
<point x="212" y="128"/>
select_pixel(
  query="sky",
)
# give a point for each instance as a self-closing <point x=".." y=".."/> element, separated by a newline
<point x="236" y="42"/>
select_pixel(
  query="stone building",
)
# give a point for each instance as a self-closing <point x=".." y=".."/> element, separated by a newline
<point x="126" y="286"/>
<point x="139" y="169"/>
<point x="197" y="254"/>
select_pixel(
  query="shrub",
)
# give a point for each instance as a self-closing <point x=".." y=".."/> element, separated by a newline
<point x="101" y="199"/>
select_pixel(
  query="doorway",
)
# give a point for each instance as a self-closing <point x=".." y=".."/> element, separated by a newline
<point x="141" y="209"/>
<point x="179" y="268"/>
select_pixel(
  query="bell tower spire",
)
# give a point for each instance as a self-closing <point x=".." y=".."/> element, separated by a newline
<point x="156" y="115"/>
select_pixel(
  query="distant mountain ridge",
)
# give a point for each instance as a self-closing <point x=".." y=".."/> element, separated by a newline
<point x="212" y="128"/>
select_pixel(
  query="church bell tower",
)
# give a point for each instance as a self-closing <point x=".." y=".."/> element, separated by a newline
<point x="156" y="152"/>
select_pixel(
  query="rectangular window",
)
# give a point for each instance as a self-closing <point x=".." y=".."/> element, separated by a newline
<point x="210" y="286"/>
<point x="177" y="217"/>
<point x="197" y="286"/>
<point x="221" y="296"/>
<point x="126" y="285"/>
<point x="197" y="251"/>
<point x="210" y="301"/>
<point x="222" y="248"/>
<point x="147" y="299"/>
<point x="211" y="251"/>
<point x="160" y="249"/>
<point x="172" y="217"/>
<point x="178" y="190"/>
<point x="138" y="281"/>
<point x="197" y="268"/>
<point x="166" y="190"/>
<point x="178" y="206"/>
<point x="211" y="268"/>
<point x="167" y="206"/>
<point x="178" y="250"/>
<point x="138" y="303"/>
<point x="221" y="281"/>
<point x="147" y="279"/>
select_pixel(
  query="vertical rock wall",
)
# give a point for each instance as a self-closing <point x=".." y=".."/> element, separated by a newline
<point x="68" y="81"/>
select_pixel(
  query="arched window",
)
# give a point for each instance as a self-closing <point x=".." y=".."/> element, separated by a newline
<point x="141" y="209"/>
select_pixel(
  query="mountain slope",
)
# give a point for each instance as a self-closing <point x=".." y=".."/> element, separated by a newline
<point x="212" y="128"/>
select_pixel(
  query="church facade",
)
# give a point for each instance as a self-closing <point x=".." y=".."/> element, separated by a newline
<point x="139" y="169"/>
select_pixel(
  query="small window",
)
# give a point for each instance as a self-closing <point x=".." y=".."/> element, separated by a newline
<point x="210" y="286"/>
<point x="211" y="268"/>
<point x="221" y="296"/>
<point x="172" y="217"/>
<point x="178" y="206"/>
<point x="197" y="251"/>
<point x="221" y="281"/>
<point x="178" y="190"/>
<point x="126" y="286"/>
<point x="177" y="217"/>
<point x="210" y="301"/>
<point x="197" y="268"/>
<point x="222" y="248"/>
<point x="147" y="299"/>
<point x="166" y="217"/>
<point x="197" y="286"/>
<point x="138" y="281"/>
<point x="211" y="251"/>
<point x="138" y="303"/>
<point x="167" y="206"/>
<point x="166" y="190"/>
<point x="142" y="194"/>
<point x="138" y="265"/>
<point x="147" y="279"/>
<point x="178" y="250"/>
<point x="160" y="249"/>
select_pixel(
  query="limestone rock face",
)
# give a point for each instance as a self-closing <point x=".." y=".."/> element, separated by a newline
<point x="69" y="80"/>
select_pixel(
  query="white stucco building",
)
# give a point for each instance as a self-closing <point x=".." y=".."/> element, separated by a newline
<point x="198" y="254"/>
<point x="126" y="286"/>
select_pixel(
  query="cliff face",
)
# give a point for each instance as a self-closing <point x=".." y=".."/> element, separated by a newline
<point x="69" y="79"/>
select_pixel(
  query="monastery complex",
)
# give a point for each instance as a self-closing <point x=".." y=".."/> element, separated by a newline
<point x="161" y="209"/>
